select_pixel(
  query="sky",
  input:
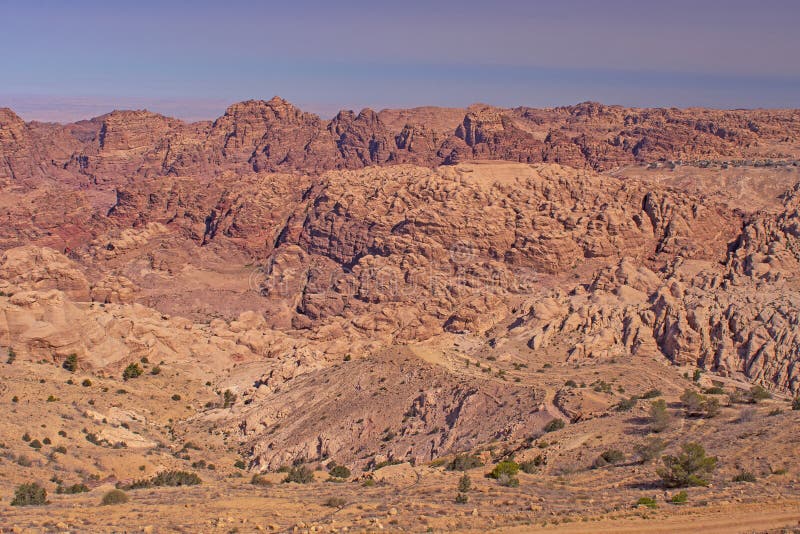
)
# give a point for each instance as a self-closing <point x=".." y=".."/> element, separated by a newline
<point x="65" y="60"/>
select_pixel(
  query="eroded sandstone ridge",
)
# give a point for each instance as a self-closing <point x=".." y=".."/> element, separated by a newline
<point x="314" y="266"/>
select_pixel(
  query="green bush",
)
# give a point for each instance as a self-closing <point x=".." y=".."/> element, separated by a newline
<point x="31" y="494"/>
<point x="132" y="371"/>
<point x="745" y="476"/>
<point x="529" y="466"/>
<point x="647" y="501"/>
<point x="176" y="397"/>
<point x="796" y="403"/>
<point x="508" y="481"/>
<point x="699" y="405"/>
<point x="300" y="475"/>
<point x="165" y="478"/>
<point x="758" y="393"/>
<point x="626" y="405"/>
<point x="506" y="467"/>
<point x="71" y="363"/>
<point x="60" y="449"/>
<point x="679" y="498"/>
<point x="35" y="444"/>
<point x="660" y="419"/>
<point x="11" y="356"/>
<point x="239" y="464"/>
<point x="464" y="462"/>
<point x="464" y="483"/>
<point x="73" y="489"/>
<point x="155" y="370"/>
<point x="86" y="383"/>
<point x="650" y="449"/>
<point x="651" y="394"/>
<point x="115" y="496"/>
<point x="340" y="471"/>
<point x="689" y="468"/>
<point x="553" y="425"/>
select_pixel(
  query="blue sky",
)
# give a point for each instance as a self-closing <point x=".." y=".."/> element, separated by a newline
<point x="67" y="59"/>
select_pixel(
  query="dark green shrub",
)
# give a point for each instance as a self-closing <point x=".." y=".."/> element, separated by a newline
<point x="35" y="444"/>
<point x="554" y="424"/>
<point x="11" y="356"/>
<point x="462" y="498"/>
<point x="716" y="390"/>
<point x="529" y="466"/>
<point x="115" y="496"/>
<point x="26" y="437"/>
<point x="626" y="405"/>
<point x="464" y="462"/>
<point x="340" y="471"/>
<point x="300" y="475"/>
<point x="647" y="501"/>
<point x="47" y="441"/>
<point x="166" y="478"/>
<point x="71" y="363"/>
<point x="176" y="397"/>
<point x="132" y="371"/>
<point x="689" y="468"/>
<point x="73" y="489"/>
<point x="86" y="383"/>
<point x="155" y="370"/>
<point x="31" y="494"/>
<point x="239" y="464"/>
<point x="679" y="498"/>
<point x="571" y="383"/>
<point x="228" y="399"/>
<point x="464" y="483"/>
<point x="699" y="405"/>
<point x="60" y="449"/>
<point x="796" y="403"/>
<point x="745" y="476"/>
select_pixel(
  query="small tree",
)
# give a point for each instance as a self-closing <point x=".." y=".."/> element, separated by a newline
<point x="507" y="467"/>
<point x="659" y="417"/>
<point x="31" y="494"/>
<point x="340" y="471"/>
<point x="689" y="468"/>
<point x="300" y="475"/>
<point x="132" y="371"/>
<point x="464" y="483"/>
<point x="699" y="405"/>
<point x="71" y="363"/>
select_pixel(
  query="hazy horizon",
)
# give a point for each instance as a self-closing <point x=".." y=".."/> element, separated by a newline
<point x="191" y="60"/>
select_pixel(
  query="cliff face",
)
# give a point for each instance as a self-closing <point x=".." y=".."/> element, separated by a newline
<point x="274" y="135"/>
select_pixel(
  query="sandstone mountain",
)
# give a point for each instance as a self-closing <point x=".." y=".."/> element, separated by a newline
<point x="393" y="288"/>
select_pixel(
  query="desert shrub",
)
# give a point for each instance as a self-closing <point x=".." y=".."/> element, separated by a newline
<point x="650" y="449"/>
<point x="690" y="467"/>
<point x="71" y="363"/>
<point x="796" y="403"/>
<point x="699" y="405"/>
<point x="571" y="383"/>
<point x="26" y="437"/>
<point x="15" y="399"/>
<point x="11" y="356"/>
<point x="60" y="449"/>
<point x="744" y="476"/>
<point x="774" y="412"/>
<point x="115" y="496"/>
<point x="52" y="398"/>
<point x="462" y="498"/>
<point x="609" y="457"/>
<point x="651" y="394"/>
<point x="339" y="471"/>
<point x="464" y="462"/>
<point x="31" y="494"/>
<point x="335" y="502"/>
<point x="24" y="461"/>
<point x="626" y="405"/>
<point x="747" y="415"/>
<point x="228" y="398"/>
<point x="47" y="441"/>
<point x="156" y="370"/>
<point x="239" y="464"/>
<point x="679" y="498"/>
<point x="715" y="390"/>
<point x="260" y="480"/>
<point x="758" y="393"/>
<point x="553" y="425"/>
<point x="176" y="397"/>
<point x="506" y="467"/>
<point x="368" y="483"/>
<point x="647" y="501"/>
<point x="73" y="489"/>
<point x="508" y="481"/>
<point x="166" y="478"/>
<point x="86" y="383"/>
<point x="464" y="483"/>
<point x="300" y="475"/>
<point x="132" y="371"/>
<point x="35" y="444"/>
<point x="529" y="466"/>
<point x="659" y="416"/>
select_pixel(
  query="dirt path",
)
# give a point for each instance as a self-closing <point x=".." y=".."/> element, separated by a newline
<point x="725" y="520"/>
